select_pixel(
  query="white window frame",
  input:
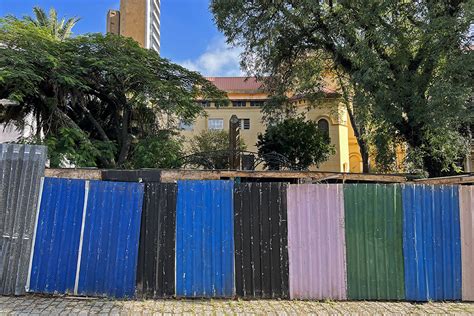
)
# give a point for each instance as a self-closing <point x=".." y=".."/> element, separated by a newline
<point x="216" y="125"/>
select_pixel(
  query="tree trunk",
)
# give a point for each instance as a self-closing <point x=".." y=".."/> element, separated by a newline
<point x="364" y="150"/>
<point x="363" y="147"/>
<point x="124" y="136"/>
<point x="38" y="127"/>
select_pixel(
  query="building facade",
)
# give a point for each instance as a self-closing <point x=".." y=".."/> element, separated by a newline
<point x="138" y="19"/>
<point x="246" y="100"/>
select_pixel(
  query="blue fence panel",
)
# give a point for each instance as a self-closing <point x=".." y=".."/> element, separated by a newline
<point x="204" y="239"/>
<point x="58" y="230"/>
<point x="431" y="242"/>
<point x="109" y="254"/>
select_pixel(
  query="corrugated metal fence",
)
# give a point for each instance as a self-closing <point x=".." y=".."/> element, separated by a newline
<point x="316" y="242"/>
<point x="466" y="198"/>
<point x="373" y="214"/>
<point x="261" y="246"/>
<point x="431" y="242"/>
<point x="21" y="168"/>
<point x="109" y="252"/>
<point x="354" y="241"/>
<point x="205" y="239"/>
<point x="156" y="260"/>
<point x="57" y="236"/>
<point x="86" y="238"/>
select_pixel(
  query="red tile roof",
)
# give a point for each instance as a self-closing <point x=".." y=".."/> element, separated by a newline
<point x="244" y="84"/>
<point x="236" y="83"/>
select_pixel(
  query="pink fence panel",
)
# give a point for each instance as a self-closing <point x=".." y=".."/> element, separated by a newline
<point x="466" y="197"/>
<point x="316" y="242"/>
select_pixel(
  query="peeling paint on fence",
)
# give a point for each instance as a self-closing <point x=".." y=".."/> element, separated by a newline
<point x="109" y="252"/>
<point x="466" y="199"/>
<point x="144" y="175"/>
<point x="21" y="169"/>
<point x="373" y="222"/>
<point x="204" y="239"/>
<point x="431" y="242"/>
<point x="57" y="235"/>
<point x="156" y="259"/>
<point x="261" y="246"/>
<point x="316" y="241"/>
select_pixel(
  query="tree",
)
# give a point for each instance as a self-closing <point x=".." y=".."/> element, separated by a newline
<point x="298" y="140"/>
<point x="161" y="151"/>
<point x="60" y="29"/>
<point x="210" y="149"/>
<point x="107" y="89"/>
<point x="405" y="67"/>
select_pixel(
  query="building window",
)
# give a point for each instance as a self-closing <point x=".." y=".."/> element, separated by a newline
<point x="257" y="103"/>
<point x="185" y="126"/>
<point x="238" y="104"/>
<point x="215" y="124"/>
<point x="323" y="126"/>
<point x="244" y="123"/>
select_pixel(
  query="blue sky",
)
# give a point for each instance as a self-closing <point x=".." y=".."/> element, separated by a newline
<point x="188" y="34"/>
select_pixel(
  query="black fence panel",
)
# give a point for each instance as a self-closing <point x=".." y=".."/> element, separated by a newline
<point x="261" y="240"/>
<point x="156" y="259"/>
<point x="151" y="175"/>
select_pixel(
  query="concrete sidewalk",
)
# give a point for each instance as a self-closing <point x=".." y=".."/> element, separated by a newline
<point x="37" y="305"/>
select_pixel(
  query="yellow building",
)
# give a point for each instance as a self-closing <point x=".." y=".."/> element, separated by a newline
<point x="138" y="19"/>
<point x="246" y="99"/>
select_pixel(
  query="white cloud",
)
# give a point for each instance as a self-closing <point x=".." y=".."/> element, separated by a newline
<point x="218" y="60"/>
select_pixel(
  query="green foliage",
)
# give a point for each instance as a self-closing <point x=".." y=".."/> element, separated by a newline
<point x="406" y="67"/>
<point x="298" y="140"/>
<point x="163" y="151"/>
<point x="210" y="149"/>
<point x="106" y="87"/>
<point x="73" y="146"/>
<point x="212" y="140"/>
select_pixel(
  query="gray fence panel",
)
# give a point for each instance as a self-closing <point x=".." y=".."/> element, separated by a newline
<point x="21" y="169"/>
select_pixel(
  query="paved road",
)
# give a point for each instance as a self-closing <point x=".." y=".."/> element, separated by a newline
<point x="35" y="305"/>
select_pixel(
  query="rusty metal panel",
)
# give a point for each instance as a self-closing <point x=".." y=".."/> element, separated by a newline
<point x="21" y="169"/>
<point x="466" y="199"/>
<point x="156" y="258"/>
<point x="373" y="223"/>
<point x="57" y="236"/>
<point x="432" y="242"/>
<point x="142" y="175"/>
<point x="316" y="242"/>
<point x="109" y="240"/>
<point x="261" y="245"/>
<point x="205" y="239"/>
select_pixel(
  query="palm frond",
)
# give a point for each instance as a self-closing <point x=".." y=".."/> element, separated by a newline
<point x="31" y="20"/>
<point x="41" y="17"/>
<point x="53" y="22"/>
<point x="66" y="29"/>
<point x="60" y="29"/>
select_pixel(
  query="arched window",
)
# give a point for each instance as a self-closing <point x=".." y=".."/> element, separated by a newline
<point x="323" y="126"/>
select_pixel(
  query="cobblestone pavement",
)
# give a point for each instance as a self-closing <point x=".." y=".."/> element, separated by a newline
<point x="37" y="305"/>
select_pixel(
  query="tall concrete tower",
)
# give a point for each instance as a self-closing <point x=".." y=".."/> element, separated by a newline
<point x="153" y="24"/>
<point x="138" y="19"/>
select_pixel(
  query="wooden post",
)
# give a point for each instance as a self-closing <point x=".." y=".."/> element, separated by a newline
<point x="234" y="141"/>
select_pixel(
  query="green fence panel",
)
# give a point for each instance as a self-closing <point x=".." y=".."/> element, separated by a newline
<point x="374" y="241"/>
